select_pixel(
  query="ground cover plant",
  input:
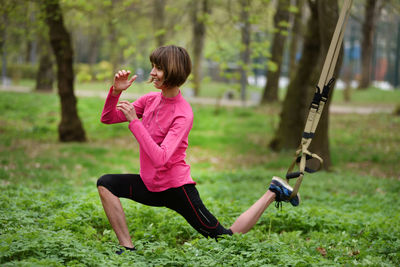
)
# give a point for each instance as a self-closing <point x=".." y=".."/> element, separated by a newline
<point x="51" y="215"/>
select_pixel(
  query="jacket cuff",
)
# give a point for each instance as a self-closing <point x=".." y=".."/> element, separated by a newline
<point x="111" y="90"/>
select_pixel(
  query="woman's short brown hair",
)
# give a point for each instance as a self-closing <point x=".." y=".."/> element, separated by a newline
<point x="174" y="61"/>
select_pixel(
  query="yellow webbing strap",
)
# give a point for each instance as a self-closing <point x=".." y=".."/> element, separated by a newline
<point x="315" y="112"/>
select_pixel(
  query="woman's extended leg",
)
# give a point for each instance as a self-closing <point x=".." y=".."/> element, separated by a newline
<point x="249" y="218"/>
<point x="115" y="214"/>
<point x="279" y="190"/>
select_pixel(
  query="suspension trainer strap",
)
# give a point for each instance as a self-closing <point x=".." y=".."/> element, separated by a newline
<point x="303" y="155"/>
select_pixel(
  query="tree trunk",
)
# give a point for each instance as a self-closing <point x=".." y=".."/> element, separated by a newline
<point x="3" y="37"/>
<point x="70" y="127"/>
<point x="296" y="36"/>
<point x="328" y="16"/>
<point x="159" y="21"/>
<point x="370" y="16"/>
<point x="280" y="23"/>
<point x="348" y="77"/>
<point x="94" y="42"/>
<point x="397" y="62"/>
<point x="245" y="47"/>
<point x="113" y="38"/>
<point x="199" y="34"/>
<point x="349" y="73"/>
<point x="45" y="73"/>
<point x="299" y="94"/>
<point x="31" y="45"/>
<point x="94" y="51"/>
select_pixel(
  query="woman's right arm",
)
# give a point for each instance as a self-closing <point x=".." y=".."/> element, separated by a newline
<point x="110" y="114"/>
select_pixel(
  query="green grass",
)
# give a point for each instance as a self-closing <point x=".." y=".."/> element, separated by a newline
<point x="371" y="96"/>
<point x="51" y="215"/>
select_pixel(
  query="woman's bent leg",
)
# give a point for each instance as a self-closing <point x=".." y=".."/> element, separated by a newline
<point x="116" y="216"/>
<point x="114" y="186"/>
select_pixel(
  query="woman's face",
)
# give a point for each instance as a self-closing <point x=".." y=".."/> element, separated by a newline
<point x="157" y="76"/>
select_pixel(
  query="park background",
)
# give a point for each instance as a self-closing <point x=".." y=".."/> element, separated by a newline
<point x="255" y="67"/>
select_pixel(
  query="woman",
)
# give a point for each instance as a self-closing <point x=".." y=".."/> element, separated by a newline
<point x="161" y="122"/>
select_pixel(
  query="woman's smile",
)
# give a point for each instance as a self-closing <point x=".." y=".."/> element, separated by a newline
<point x="157" y="76"/>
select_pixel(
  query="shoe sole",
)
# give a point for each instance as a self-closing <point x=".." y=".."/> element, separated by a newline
<point x="280" y="180"/>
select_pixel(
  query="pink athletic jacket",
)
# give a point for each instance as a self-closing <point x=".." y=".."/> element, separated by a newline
<point x="162" y="135"/>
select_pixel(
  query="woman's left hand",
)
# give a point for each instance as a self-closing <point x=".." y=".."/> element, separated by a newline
<point x="128" y="110"/>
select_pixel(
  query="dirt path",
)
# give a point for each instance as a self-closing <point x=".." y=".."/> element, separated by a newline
<point x="337" y="109"/>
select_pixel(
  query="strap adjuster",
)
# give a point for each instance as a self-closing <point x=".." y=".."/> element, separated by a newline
<point x="308" y="135"/>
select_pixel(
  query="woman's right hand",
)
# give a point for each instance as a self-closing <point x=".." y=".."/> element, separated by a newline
<point x="121" y="81"/>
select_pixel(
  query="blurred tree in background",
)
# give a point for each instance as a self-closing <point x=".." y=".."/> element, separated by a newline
<point x="371" y="15"/>
<point x="231" y="42"/>
<point x="281" y="24"/>
<point x="245" y="46"/>
<point x="200" y="13"/>
<point x="110" y="34"/>
<point x="296" y="35"/>
<point x="298" y="97"/>
<point x="70" y="127"/>
<point x="321" y="26"/>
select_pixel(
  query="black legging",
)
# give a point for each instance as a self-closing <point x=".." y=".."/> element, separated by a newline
<point x="184" y="199"/>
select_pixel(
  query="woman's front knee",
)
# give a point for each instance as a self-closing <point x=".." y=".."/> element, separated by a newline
<point x="103" y="180"/>
<point x="101" y="189"/>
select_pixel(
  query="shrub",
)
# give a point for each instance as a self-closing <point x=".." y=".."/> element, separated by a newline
<point x="83" y="73"/>
<point x="22" y="71"/>
<point x="397" y="110"/>
<point x="102" y="71"/>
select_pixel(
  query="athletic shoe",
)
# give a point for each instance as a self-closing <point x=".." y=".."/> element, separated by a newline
<point x="123" y="249"/>
<point x="283" y="191"/>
